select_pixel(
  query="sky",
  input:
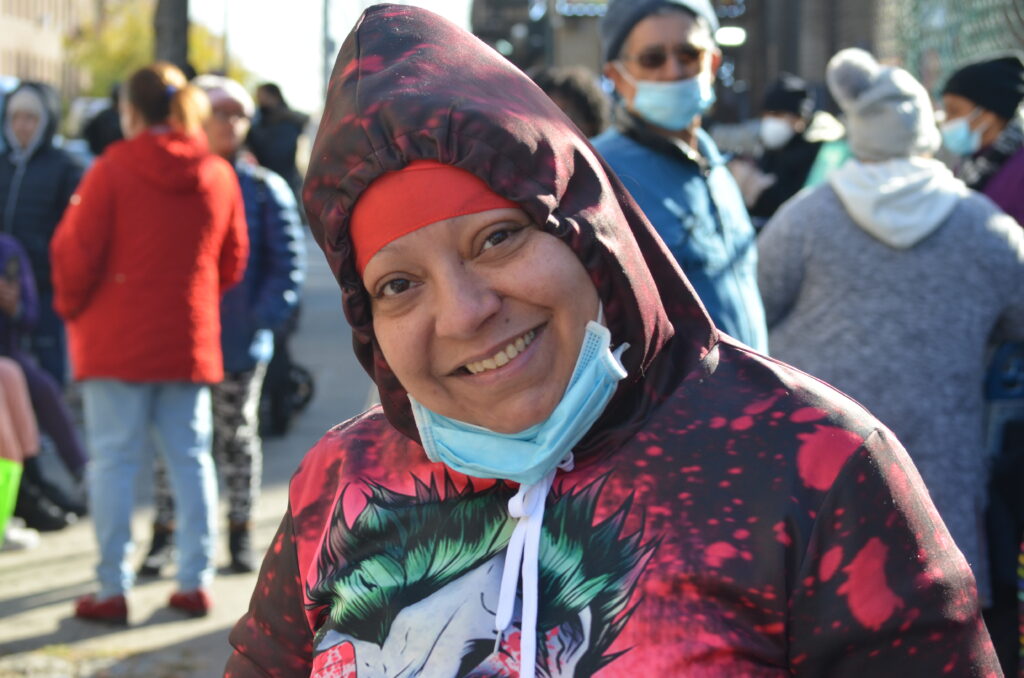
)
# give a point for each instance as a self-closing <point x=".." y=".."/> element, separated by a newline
<point x="280" y="41"/>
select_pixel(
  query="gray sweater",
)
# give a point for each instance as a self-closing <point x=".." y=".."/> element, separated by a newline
<point x="902" y="330"/>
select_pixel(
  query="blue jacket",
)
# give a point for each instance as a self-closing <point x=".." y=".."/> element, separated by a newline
<point x="696" y="208"/>
<point x="269" y="292"/>
<point x="35" y="186"/>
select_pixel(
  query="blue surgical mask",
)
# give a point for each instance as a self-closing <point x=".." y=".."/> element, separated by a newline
<point x="528" y="456"/>
<point x="671" y="105"/>
<point x="959" y="138"/>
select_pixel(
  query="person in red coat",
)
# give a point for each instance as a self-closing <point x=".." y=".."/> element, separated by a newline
<point x="154" y="236"/>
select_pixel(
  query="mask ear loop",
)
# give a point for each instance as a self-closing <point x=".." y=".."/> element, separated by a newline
<point x="617" y="65"/>
<point x="974" y="115"/>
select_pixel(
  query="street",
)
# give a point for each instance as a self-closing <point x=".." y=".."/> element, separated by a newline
<point x="38" y="635"/>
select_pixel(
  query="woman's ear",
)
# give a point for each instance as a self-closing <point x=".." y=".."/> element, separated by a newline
<point x="716" y="61"/>
<point x="623" y="88"/>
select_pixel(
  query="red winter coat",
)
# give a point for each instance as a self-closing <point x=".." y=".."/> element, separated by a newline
<point x="153" y="237"/>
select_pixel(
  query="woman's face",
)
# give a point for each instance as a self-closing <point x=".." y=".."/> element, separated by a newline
<point x="226" y="128"/>
<point x="481" y="317"/>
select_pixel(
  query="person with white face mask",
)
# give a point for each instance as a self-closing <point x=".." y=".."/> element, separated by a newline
<point x="790" y="147"/>
<point x="662" y="58"/>
<point x="791" y="134"/>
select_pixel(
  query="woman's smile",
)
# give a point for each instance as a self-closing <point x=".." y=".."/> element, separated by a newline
<point x="501" y="358"/>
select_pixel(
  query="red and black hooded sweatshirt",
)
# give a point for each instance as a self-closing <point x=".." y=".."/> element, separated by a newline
<point x="728" y="515"/>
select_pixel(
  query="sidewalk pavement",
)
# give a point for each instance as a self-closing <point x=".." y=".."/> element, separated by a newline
<point x="39" y="638"/>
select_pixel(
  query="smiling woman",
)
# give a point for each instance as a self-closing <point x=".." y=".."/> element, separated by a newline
<point x="481" y="315"/>
<point x="572" y="472"/>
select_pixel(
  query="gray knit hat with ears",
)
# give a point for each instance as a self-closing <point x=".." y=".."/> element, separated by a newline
<point x="888" y="113"/>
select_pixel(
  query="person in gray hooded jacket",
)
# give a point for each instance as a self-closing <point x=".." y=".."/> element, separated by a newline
<point x="887" y="282"/>
<point x="37" y="180"/>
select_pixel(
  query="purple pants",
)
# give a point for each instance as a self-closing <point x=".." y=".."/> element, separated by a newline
<point x="52" y="414"/>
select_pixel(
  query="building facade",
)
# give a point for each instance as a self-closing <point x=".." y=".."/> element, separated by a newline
<point x="33" y="39"/>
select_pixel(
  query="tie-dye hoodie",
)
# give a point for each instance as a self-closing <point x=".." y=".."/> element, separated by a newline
<point x="728" y="515"/>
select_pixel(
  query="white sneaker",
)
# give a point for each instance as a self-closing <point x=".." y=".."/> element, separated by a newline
<point x="18" y="537"/>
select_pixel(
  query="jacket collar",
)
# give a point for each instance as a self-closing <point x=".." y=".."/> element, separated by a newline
<point x="706" y="156"/>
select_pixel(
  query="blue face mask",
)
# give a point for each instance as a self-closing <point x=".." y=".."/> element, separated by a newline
<point x="959" y="138"/>
<point x="671" y="105"/>
<point x="528" y="456"/>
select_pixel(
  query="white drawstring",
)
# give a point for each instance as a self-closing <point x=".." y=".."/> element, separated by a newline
<point x="522" y="557"/>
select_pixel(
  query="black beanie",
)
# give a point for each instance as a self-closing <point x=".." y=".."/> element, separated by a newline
<point x="996" y="84"/>
<point x="622" y="15"/>
<point x="788" y="94"/>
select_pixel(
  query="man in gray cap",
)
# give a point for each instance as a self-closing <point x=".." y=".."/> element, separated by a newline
<point x="662" y="58"/>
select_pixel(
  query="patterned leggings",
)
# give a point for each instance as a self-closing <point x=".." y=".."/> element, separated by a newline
<point x="237" y="448"/>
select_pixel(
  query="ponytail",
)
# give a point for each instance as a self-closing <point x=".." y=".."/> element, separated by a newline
<point x="190" y="108"/>
<point x="162" y="95"/>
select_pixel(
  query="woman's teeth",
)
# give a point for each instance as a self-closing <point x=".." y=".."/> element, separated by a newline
<point x="502" y="357"/>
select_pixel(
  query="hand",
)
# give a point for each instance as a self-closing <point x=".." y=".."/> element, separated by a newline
<point x="750" y="179"/>
<point x="10" y="297"/>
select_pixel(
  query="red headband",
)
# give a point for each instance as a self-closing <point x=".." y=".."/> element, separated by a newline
<point x="422" y="193"/>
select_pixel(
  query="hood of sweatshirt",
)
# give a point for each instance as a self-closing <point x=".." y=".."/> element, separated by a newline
<point x="163" y="157"/>
<point x="901" y="201"/>
<point x="49" y="104"/>
<point x="409" y="85"/>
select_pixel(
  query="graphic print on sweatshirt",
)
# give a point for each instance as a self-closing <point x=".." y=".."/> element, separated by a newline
<point x="411" y="587"/>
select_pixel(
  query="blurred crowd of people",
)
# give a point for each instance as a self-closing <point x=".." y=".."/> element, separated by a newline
<point x="877" y="247"/>
<point x="164" y="272"/>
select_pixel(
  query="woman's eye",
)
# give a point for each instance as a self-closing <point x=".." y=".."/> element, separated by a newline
<point x="496" y="238"/>
<point x="394" y="287"/>
<point x="501" y="235"/>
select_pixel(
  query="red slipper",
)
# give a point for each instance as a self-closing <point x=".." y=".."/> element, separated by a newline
<point x="112" y="610"/>
<point x="195" y="603"/>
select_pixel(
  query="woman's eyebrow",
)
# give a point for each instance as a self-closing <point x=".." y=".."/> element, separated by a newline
<point x="393" y="248"/>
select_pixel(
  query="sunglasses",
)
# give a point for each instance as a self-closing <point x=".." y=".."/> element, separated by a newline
<point x="655" y="57"/>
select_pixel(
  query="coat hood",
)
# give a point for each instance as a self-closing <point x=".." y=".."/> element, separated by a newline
<point x="164" y="158"/>
<point x="49" y="103"/>
<point x="409" y="85"/>
<point x="900" y="202"/>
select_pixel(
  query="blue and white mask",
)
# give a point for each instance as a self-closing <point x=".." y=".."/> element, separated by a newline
<point x="959" y="138"/>
<point x="527" y="456"/>
<point x="671" y="105"/>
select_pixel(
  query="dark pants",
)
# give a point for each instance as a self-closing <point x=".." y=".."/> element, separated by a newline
<point x="52" y="413"/>
<point x="1005" y="527"/>
<point x="47" y="340"/>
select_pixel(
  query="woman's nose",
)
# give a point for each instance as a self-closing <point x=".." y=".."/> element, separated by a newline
<point x="465" y="301"/>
